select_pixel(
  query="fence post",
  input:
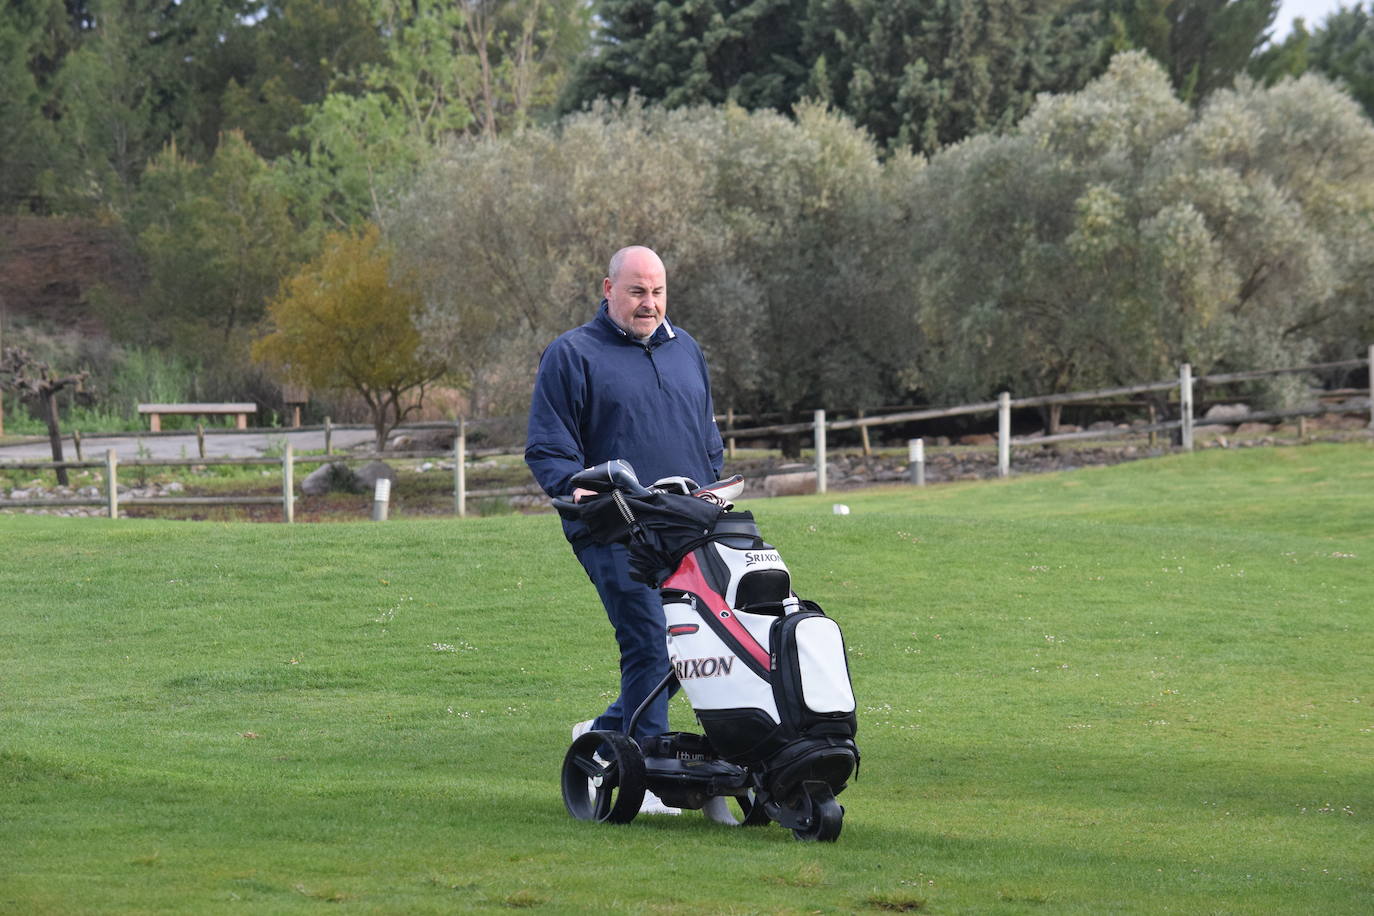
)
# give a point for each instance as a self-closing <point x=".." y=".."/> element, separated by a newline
<point x="730" y="427"/>
<point x="76" y="444"/>
<point x="328" y="432"/>
<point x="460" y="479"/>
<point x="111" y="488"/>
<point x="916" y="455"/>
<point x="1185" y="404"/>
<point x="863" y="436"/>
<point x="1369" y="364"/>
<point x="200" y="440"/>
<point x="820" y="451"/>
<point x="288" y="487"/>
<point x="1004" y="434"/>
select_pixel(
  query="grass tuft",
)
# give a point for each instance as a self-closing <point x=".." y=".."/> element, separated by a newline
<point x="894" y="903"/>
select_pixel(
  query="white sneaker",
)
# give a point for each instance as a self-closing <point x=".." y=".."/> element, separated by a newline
<point x="581" y="728"/>
<point x="652" y="804"/>
<point x="717" y="810"/>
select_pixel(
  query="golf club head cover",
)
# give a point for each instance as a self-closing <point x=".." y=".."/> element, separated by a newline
<point x="683" y="486"/>
<point x="722" y="492"/>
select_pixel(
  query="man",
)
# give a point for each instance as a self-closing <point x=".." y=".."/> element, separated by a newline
<point x="626" y="384"/>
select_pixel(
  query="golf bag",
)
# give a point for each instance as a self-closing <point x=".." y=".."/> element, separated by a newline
<point x="765" y="671"/>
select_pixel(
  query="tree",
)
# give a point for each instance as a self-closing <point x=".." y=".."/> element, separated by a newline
<point x="780" y="238"/>
<point x="346" y="321"/>
<point x="810" y="304"/>
<point x="1342" y="49"/>
<point x="445" y="70"/>
<point x="126" y="90"/>
<point x="1203" y="44"/>
<point x="692" y="52"/>
<point x="921" y="74"/>
<point x="26" y="134"/>
<point x="217" y="239"/>
<point x="1117" y="233"/>
<point x="288" y="58"/>
<point x="21" y="372"/>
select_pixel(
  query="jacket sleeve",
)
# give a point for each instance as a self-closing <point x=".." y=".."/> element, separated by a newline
<point x="553" y="443"/>
<point x="715" y="447"/>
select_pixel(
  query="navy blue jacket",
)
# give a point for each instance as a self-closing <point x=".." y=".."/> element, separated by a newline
<point x="601" y="394"/>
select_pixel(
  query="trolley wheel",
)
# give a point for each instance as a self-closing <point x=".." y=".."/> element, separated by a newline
<point x="609" y="788"/>
<point x="827" y="817"/>
<point x="749" y="811"/>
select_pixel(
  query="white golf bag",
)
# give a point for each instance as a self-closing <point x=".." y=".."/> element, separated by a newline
<point x="765" y="671"/>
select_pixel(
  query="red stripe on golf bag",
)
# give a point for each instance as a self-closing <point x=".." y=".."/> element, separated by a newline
<point x="689" y="578"/>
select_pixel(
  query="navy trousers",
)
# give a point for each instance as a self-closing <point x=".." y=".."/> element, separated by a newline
<point x="636" y="613"/>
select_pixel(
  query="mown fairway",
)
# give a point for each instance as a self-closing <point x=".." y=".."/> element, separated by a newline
<point x="1141" y="689"/>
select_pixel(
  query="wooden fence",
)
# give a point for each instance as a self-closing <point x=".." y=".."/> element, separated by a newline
<point x="112" y="500"/>
<point x="1185" y="384"/>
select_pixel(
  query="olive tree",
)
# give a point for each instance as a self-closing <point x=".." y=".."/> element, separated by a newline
<point x="1116" y="233"/>
<point x="510" y="237"/>
<point x="777" y="236"/>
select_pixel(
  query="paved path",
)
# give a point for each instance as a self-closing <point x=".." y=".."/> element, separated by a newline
<point x="218" y="444"/>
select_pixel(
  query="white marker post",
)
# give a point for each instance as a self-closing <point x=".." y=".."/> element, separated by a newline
<point x="916" y="460"/>
<point x="1004" y="434"/>
<point x="1185" y="405"/>
<point x="288" y="486"/>
<point x="381" y="496"/>
<point x="820" y="451"/>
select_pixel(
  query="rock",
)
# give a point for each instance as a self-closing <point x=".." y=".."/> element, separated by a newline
<point x="1226" y="413"/>
<point x="1254" y="429"/>
<point x="330" y="477"/>
<point x="374" y="471"/>
<point x="791" y="484"/>
<point x="1102" y="426"/>
<point x="978" y="439"/>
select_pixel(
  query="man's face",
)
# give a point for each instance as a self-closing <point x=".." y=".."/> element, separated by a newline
<point x="638" y="296"/>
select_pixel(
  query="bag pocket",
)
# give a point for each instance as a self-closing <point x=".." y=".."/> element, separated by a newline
<point x="810" y="674"/>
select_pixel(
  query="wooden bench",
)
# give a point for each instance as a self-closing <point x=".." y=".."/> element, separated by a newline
<point x="157" y="411"/>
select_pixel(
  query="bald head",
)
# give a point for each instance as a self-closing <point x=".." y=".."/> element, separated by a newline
<point x="636" y="290"/>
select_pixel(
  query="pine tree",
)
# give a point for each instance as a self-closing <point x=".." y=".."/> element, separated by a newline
<point x="926" y="73"/>
<point x="687" y="52"/>
<point x="1342" y="48"/>
<point x="1203" y="44"/>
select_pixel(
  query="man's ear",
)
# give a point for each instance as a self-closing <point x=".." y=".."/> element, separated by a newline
<point x="606" y="287"/>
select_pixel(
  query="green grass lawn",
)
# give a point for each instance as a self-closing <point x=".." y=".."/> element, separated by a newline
<point x="1139" y="689"/>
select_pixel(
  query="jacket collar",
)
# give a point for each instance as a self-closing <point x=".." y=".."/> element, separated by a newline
<point x="664" y="332"/>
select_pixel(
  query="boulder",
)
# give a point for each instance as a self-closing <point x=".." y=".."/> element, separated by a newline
<point x="374" y="471"/>
<point x="1226" y="413"/>
<point x="791" y="484"/>
<point x="329" y="477"/>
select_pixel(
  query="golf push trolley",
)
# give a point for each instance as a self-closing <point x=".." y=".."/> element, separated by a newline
<point x="765" y="671"/>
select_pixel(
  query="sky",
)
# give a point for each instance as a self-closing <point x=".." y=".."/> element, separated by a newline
<point x="1312" y="11"/>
